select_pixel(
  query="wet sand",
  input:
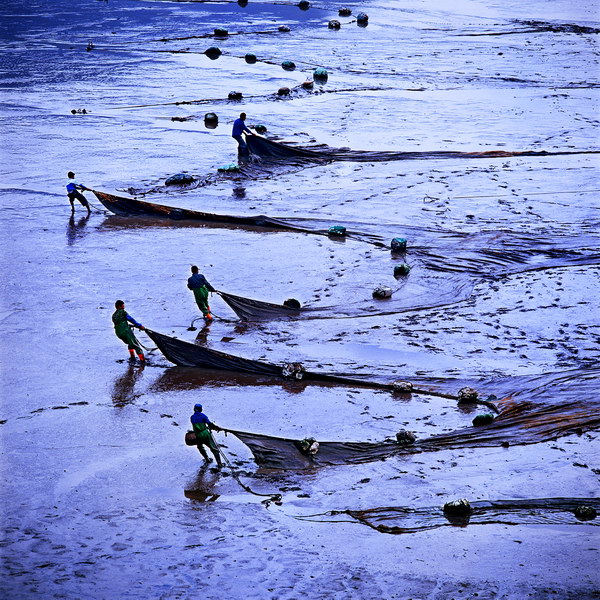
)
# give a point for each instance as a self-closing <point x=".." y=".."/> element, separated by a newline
<point x="100" y="496"/>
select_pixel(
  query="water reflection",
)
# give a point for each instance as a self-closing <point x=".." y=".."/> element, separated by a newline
<point x="123" y="387"/>
<point x="239" y="192"/>
<point x="202" y="488"/>
<point x="202" y="337"/>
<point x="191" y="378"/>
<point x="75" y="229"/>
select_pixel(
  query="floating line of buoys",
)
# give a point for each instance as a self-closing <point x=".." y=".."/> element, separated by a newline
<point x="398" y="244"/>
<point x="211" y="120"/>
<point x="458" y="508"/>
<point x="180" y="179"/>
<point x="483" y="419"/>
<point x="405" y="438"/>
<point x="585" y="513"/>
<point x="213" y="52"/>
<point x="230" y="168"/>
<point x="362" y="19"/>
<point x="320" y="74"/>
<point x="401" y="270"/>
<point x="467" y="395"/>
<point x="337" y="231"/>
<point x="382" y="292"/>
<point x="403" y="387"/>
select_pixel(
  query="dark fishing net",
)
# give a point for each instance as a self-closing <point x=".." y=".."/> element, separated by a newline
<point x="185" y="354"/>
<point x="544" y="511"/>
<point x="249" y="309"/>
<point x="517" y="424"/>
<point x="129" y="207"/>
<point x="284" y="453"/>
<point x="256" y="310"/>
<point x="189" y="355"/>
<point x="265" y="148"/>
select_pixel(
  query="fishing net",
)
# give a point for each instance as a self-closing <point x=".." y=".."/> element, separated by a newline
<point x="130" y="207"/>
<point x="544" y="511"/>
<point x="189" y="355"/>
<point x="256" y="310"/>
<point x="266" y="148"/>
<point x="186" y="354"/>
<point x="525" y="423"/>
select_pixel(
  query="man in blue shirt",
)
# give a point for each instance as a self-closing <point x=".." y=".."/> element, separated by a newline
<point x="200" y="286"/>
<point x="202" y="426"/>
<point x="239" y="127"/>
<point x="73" y="192"/>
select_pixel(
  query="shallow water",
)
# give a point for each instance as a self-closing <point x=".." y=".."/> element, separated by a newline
<point x="101" y="498"/>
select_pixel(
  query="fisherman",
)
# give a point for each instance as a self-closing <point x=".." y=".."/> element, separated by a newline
<point x="202" y="426"/>
<point x="239" y="127"/>
<point x="200" y="286"/>
<point x="124" y="332"/>
<point x="73" y="192"/>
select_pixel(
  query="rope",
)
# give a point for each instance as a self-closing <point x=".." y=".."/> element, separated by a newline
<point x="192" y="328"/>
<point x="526" y="194"/>
<point x="273" y="497"/>
<point x="98" y="208"/>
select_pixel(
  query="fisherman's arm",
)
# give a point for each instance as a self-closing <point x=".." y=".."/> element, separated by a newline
<point x="134" y="322"/>
<point x="204" y="419"/>
<point x="202" y="281"/>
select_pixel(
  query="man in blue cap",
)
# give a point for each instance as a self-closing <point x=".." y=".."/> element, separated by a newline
<point x="202" y="425"/>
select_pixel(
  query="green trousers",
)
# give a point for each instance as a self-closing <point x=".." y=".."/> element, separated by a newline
<point x="201" y="297"/>
<point x="204" y="437"/>
<point x="125" y="334"/>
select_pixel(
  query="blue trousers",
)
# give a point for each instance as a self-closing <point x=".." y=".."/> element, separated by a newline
<point x="242" y="146"/>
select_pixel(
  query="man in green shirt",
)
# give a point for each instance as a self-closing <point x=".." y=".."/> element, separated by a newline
<point x="200" y="286"/>
<point x="202" y="426"/>
<point x="124" y="332"/>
